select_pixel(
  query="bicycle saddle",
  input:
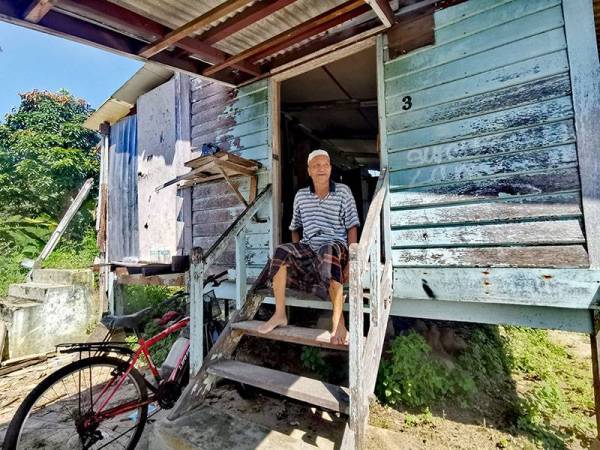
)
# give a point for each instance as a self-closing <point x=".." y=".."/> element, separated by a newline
<point x="132" y="321"/>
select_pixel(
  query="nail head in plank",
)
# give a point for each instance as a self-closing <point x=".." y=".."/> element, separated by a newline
<point x="305" y="389"/>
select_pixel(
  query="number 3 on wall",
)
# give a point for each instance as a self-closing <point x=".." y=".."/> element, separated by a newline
<point x="407" y="103"/>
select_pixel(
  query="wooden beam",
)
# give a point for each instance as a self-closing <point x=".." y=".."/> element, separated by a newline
<point x="585" y="83"/>
<point x="193" y="26"/>
<point x="124" y="20"/>
<point x="383" y="10"/>
<point x="321" y="42"/>
<point x="311" y="32"/>
<point x="287" y="36"/>
<point x="37" y="9"/>
<point x="410" y="33"/>
<point x="247" y="17"/>
<point x="329" y="105"/>
<point x="595" y="342"/>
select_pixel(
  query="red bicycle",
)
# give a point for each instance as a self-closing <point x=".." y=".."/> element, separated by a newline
<point x="102" y="401"/>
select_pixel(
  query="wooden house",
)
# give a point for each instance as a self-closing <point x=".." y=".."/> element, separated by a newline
<point x="478" y="117"/>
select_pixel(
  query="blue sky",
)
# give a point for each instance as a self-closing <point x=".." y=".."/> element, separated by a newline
<point x="33" y="60"/>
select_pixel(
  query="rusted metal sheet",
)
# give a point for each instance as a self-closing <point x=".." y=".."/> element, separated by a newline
<point x="481" y="144"/>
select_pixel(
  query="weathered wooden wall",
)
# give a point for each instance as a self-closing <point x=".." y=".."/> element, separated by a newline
<point x="122" y="232"/>
<point x="237" y="121"/>
<point x="481" y="144"/>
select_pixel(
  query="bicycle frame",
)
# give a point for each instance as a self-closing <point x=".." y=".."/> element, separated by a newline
<point x="144" y="346"/>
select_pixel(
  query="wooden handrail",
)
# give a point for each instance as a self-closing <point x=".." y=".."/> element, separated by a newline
<point x="237" y="226"/>
<point x="364" y="354"/>
<point x="200" y="262"/>
<point x="372" y="216"/>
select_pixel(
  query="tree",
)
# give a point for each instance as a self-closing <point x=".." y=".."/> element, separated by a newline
<point x="45" y="154"/>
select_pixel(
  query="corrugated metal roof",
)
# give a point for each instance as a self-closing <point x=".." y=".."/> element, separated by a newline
<point x="120" y="103"/>
<point x="175" y="13"/>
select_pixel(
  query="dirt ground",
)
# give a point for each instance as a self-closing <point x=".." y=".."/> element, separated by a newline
<point x="450" y="427"/>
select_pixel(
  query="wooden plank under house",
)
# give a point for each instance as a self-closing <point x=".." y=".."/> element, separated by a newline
<point x="478" y="118"/>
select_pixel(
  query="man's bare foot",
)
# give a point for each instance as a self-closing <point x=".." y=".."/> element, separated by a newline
<point x="339" y="335"/>
<point x="272" y="323"/>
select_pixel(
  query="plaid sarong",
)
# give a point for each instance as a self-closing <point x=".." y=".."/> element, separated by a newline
<point x="310" y="271"/>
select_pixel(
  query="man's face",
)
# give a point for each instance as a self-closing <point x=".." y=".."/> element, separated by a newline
<point x="319" y="169"/>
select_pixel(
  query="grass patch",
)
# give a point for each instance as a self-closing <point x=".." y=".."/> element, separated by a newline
<point x="557" y="398"/>
<point x="70" y="254"/>
<point x="545" y="393"/>
<point x="11" y="271"/>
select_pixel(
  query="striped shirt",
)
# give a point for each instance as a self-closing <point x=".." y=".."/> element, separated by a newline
<point x="324" y="220"/>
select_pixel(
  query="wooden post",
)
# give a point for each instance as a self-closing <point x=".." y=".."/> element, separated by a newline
<point x="102" y="222"/>
<point x="356" y="326"/>
<point x="584" y="69"/>
<point x="595" y="341"/>
<point x="196" y="290"/>
<point x="375" y="272"/>
<point x="240" y="268"/>
<point x="64" y="223"/>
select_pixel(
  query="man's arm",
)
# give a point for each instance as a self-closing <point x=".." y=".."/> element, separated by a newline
<point x="295" y="236"/>
<point x="352" y="235"/>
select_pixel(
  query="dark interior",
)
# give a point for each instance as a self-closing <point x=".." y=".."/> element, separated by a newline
<point x="333" y="107"/>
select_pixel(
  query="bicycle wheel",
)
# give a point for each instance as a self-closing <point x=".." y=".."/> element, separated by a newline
<point x="56" y="414"/>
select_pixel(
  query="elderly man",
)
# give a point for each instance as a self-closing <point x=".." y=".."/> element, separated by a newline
<point x="326" y="214"/>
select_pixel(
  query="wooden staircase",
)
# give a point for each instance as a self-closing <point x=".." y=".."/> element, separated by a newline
<point x="371" y="255"/>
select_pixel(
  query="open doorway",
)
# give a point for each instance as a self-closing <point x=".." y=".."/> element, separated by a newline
<point x="333" y="107"/>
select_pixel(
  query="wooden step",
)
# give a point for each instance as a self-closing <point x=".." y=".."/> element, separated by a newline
<point x="295" y="335"/>
<point x="315" y="392"/>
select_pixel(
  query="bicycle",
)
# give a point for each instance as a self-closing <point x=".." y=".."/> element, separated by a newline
<point x="103" y="400"/>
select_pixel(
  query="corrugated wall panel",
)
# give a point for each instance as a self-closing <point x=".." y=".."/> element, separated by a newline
<point x="481" y="143"/>
<point x="237" y="121"/>
<point x="123" y="238"/>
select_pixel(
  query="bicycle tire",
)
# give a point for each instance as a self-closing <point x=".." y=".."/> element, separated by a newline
<point x="14" y="430"/>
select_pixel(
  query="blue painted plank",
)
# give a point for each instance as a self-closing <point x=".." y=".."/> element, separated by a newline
<point x="524" y="116"/>
<point x="564" y="288"/>
<point x="511" y="209"/>
<point x="556" y="133"/>
<point x="575" y="320"/>
<point x="501" y="78"/>
<point x="520" y="162"/>
<point x="456" y="13"/>
<point x="564" y="256"/>
<point x="501" y="13"/>
<point x="448" y="110"/>
<point x="428" y="57"/>
<point x="492" y="188"/>
<point x="521" y="50"/>
<point x="521" y="233"/>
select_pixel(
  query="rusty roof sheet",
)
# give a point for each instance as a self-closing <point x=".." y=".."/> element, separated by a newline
<point x="175" y="13"/>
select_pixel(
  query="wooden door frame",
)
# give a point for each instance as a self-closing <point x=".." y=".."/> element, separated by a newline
<point x="275" y="118"/>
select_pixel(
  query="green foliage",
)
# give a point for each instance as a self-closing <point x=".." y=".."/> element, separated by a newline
<point x="24" y="235"/>
<point x="137" y="298"/>
<point x="312" y="360"/>
<point x="74" y="254"/>
<point x="140" y="297"/>
<point x="45" y="154"/>
<point x="411" y="375"/>
<point x="10" y="271"/>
